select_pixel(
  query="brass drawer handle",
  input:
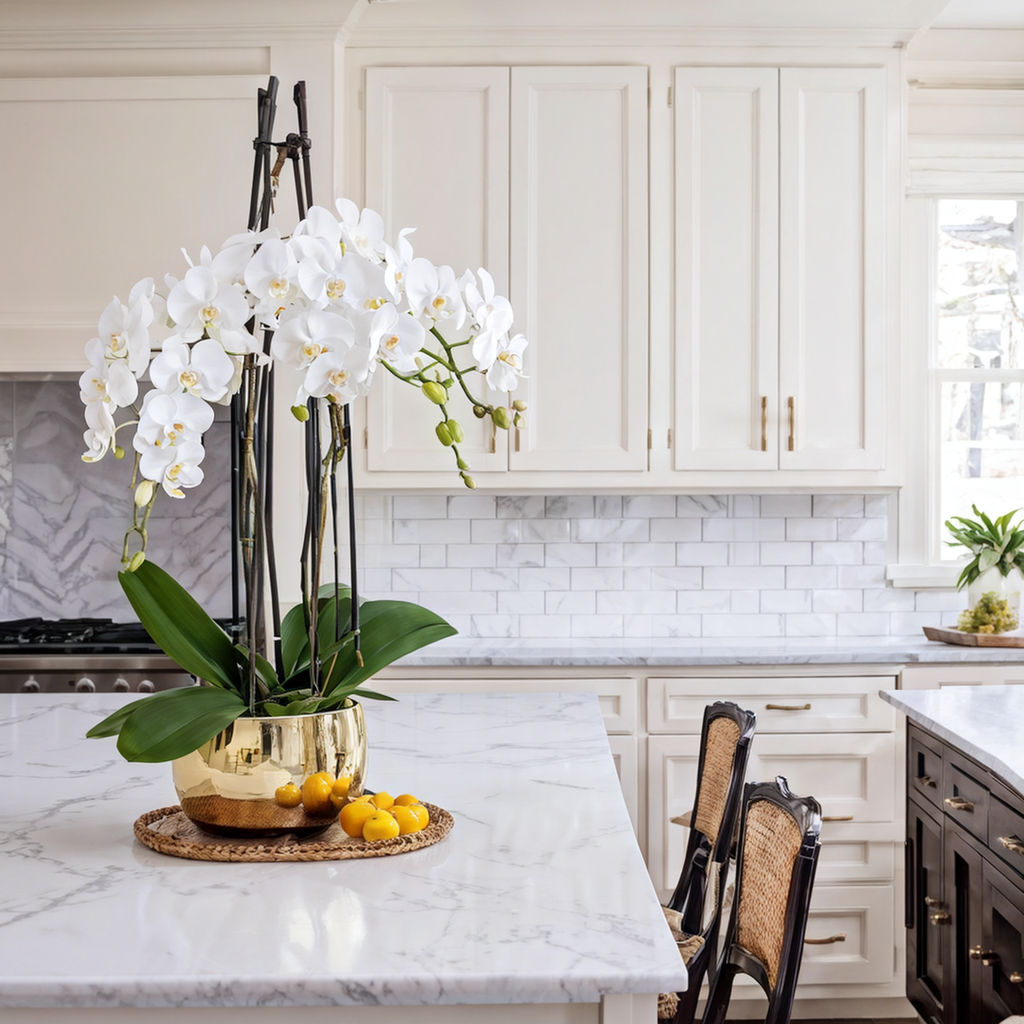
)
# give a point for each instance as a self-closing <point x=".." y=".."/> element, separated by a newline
<point x="838" y="937"/>
<point x="837" y="817"/>
<point x="1015" y="977"/>
<point x="931" y="901"/>
<point x="791" y="441"/>
<point x="1012" y="843"/>
<point x="939" y="917"/>
<point x="764" y="423"/>
<point x="989" y="957"/>
<point x="926" y="780"/>
<point x="787" y="707"/>
<point x="958" y="803"/>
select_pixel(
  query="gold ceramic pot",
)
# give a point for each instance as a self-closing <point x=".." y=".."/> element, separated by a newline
<point x="228" y="785"/>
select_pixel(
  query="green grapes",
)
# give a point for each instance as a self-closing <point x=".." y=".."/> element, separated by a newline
<point x="990" y="615"/>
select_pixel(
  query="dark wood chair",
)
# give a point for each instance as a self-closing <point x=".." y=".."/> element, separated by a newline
<point x="694" y="912"/>
<point x="776" y="861"/>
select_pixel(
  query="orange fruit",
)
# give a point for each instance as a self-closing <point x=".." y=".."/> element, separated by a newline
<point x="383" y="800"/>
<point x="408" y="820"/>
<point x="339" y="792"/>
<point x="288" y="795"/>
<point x="354" y="815"/>
<point x="422" y="813"/>
<point x="406" y="800"/>
<point x="380" y="825"/>
<point x="316" y="795"/>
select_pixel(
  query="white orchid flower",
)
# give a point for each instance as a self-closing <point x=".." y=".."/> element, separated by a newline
<point x="205" y="369"/>
<point x="170" y="420"/>
<point x="308" y="334"/>
<point x="229" y="262"/>
<point x="396" y="263"/>
<point x="433" y="292"/>
<point x="489" y="312"/>
<point x="319" y="224"/>
<point x="271" y="275"/>
<point x="100" y="433"/>
<point x="397" y="338"/>
<point x="174" y="467"/>
<point x="329" y="278"/>
<point x="199" y="304"/>
<point x="363" y="230"/>
<point x="507" y="368"/>
<point x="341" y="376"/>
<point x="112" y="383"/>
<point x="124" y="329"/>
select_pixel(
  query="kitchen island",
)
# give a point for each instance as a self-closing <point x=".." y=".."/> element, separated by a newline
<point x="537" y="905"/>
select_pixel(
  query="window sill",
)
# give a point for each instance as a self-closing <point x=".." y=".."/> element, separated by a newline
<point x="923" y="577"/>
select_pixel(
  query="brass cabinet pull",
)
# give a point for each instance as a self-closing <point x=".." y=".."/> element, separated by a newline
<point x="517" y="438"/>
<point x="790" y="403"/>
<point x="989" y="957"/>
<point x="926" y="780"/>
<point x="1012" y="843"/>
<point x="931" y="901"/>
<point x="939" y="917"/>
<point x="494" y="431"/>
<point x="764" y="423"/>
<point x="787" y="707"/>
<point x="837" y="817"/>
<point x="958" y="803"/>
<point x="1015" y="977"/>
<point x="838" y="937"/>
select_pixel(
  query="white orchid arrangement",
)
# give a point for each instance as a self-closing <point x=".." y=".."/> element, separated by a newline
<point x="340" y="305"/>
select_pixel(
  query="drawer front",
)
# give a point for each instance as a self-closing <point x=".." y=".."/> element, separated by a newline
<point x="965" y="799"/>
<point x="851" y="776"/>
<point x="617" y="697"/>
<point x="924" y="769"/>
<point x="811" y="704"/>
<point x="850" y="936"/>
<point x="1006" y="834"/>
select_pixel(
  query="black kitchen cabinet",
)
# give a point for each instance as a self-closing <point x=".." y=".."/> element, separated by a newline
<point x="964" y="887"/>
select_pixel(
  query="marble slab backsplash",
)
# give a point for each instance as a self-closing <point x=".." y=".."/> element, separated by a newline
<point x="62" y="521"/>
<point x="645" y="566"/>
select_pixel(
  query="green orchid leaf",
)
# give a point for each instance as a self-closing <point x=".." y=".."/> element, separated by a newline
<point x="272" y="710"/>
<point x="177" y="723"/>
<point x="264" y="670"/>
<point x="371" y="694"/>
<point x="293" y="639"/>
<point x="111" y="725"/>
<point x="180" y="627"/>
<point x="987" y="558"/>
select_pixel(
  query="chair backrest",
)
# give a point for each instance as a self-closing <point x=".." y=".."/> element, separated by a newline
<point x="724" y="751"/>
<point x="776" y="861"/>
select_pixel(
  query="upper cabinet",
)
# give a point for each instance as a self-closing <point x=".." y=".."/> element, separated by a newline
<point x="539" y="175"/>
<point x="780" y="323"/>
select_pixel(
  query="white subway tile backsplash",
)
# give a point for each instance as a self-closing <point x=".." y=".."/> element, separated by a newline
<point x="651" y="565"/>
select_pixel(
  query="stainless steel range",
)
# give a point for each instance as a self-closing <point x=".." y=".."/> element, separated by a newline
<point x="83" y="655"/>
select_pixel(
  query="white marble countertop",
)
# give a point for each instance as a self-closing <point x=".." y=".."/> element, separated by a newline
<point x="982" y="721"/>
<point x="539" y="894"/>
<point x="618" y="651"/>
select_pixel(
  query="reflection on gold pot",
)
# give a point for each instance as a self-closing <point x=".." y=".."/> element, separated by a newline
<point x="228" y="785"/>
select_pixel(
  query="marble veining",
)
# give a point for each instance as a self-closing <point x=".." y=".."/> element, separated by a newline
<point x="981" y="721"/>
<point x="539" y="894"/>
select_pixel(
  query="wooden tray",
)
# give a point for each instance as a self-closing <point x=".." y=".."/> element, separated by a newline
<point x="955" y="636"/>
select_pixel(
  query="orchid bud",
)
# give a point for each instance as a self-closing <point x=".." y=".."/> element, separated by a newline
<point x="300" y="412"/>
<point x="443" y="434"/>
<point x="518" y="420"/>
<point x="479" y="412"/>
<point x="519" y="405"/>
<point x="500" y="417"/>
<point x="435" y="392"/>
<point x="461" y="463"/>
<point x="144" y="493"/>
<point x="468" y="481"/>
<point x="118" y="452"/>
<point x="137" y="559"/>
<point x="455" y="429"/>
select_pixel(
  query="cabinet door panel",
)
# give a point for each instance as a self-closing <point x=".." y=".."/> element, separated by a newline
<point x="436" y="154"/>
<point x="1003" y="934"/>
<point x="726" y="238"/>
<point x="926" y="979"/>
<point x="831" y="298"/>
<point x="579" y="265"/>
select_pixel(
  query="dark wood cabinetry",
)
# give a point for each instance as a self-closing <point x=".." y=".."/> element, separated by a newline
<point x="964" y="887"/>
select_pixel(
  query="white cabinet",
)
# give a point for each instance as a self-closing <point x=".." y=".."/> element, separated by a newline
<point x="539" y="175"/>
<point x="780" y="256"/>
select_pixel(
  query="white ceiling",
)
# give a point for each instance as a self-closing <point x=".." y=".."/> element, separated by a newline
<point x="981" y="14"/>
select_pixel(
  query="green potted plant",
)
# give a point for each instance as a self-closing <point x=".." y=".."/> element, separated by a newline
<point x="337" y="305"/>
<point x="992" y="576"/>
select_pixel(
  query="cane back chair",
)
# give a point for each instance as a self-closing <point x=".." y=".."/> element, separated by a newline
<point x="776" y="861"/>
<point x="694" y="911"/>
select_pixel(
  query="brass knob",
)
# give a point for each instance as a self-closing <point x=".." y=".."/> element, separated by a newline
<point x="931" y="901"/>
<point x="958" y="803"/>
<point x="926" y="780"/>
<point x="940" y="917"/>
<point x="988" y="957"/>
<point x="1015" y="977"/>
<point x="1012" y="843"/>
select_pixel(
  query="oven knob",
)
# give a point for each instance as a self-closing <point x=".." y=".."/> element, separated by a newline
<point x="121" y="685"/>
<point x="31" y="685"/>
<point x="85" y="685"/>
<point x="146" y="686"/>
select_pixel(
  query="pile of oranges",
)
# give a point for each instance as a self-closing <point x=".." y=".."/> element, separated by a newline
<point x="374" y="818"/>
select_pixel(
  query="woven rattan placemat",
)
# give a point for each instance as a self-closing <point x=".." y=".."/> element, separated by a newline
<point x="167" y="830"/>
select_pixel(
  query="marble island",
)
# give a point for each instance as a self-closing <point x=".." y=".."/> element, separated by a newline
<point x="538" y="900"/>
